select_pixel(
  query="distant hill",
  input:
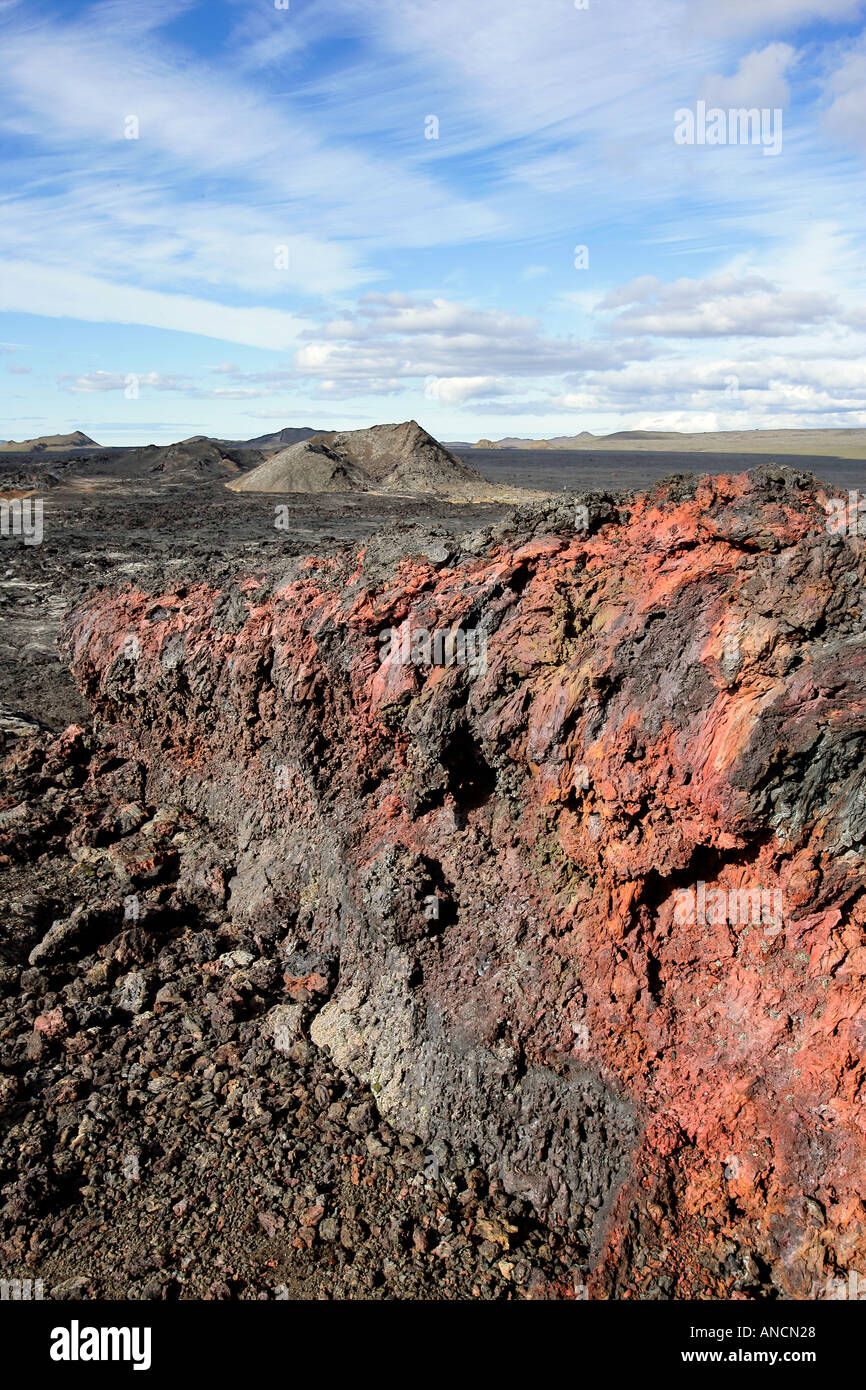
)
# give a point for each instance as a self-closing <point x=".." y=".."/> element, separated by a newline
<point x="311" y="465"/>
<point x="289" y="435"/>
<point x="562" y="441"/>
<point x="195" y="457"/>
<point x="838" y="443"/>
<point x="642" y="434"/>
<point x="76" y="440"/>
<point x="401" y="458"/>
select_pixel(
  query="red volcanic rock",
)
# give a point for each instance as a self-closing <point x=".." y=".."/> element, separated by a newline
<point x="596" y="906"/>
<point x="52" y="1024"/>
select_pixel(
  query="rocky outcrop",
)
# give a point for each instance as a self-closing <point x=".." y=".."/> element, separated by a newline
<point x="595" y="901"/>
<point x="311" y="465"/>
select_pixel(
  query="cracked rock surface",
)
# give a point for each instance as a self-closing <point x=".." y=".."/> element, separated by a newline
<point x="458" y="892"/>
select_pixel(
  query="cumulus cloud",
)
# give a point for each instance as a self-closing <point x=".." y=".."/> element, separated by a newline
<point x="455" y="390"/>
<point x="718" y="306"/>
<point x="445" y="339"/>
<point x="734" y="392"/>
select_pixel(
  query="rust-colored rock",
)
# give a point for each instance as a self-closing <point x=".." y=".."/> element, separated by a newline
<point x="597" y="899"/>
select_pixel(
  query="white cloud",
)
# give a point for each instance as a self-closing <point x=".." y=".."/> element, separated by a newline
<point x="187" y="247"/>
<point x="76" y="82"/>
<point x="845" y="116"/>
<point x="758" y="81"/>
<point x="434" y="316"/>
<point x="719" y="306"/>
<point x="90" y="383"/>
<point x="556" y="130"/>
<point x="445" y="339"/>
<point x="761" y="16"/>
<point x="734" y="391"/>
<point x="34" y="288"/>
<point x="457" y="389"/>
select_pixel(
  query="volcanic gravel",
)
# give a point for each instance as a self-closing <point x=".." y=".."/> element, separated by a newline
<point x="167" y="1129"/>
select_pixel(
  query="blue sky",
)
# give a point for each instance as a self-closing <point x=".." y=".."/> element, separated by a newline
<point x="281" y="241"/>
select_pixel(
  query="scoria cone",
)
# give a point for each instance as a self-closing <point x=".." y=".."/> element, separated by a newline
<point x="510" y="864"/>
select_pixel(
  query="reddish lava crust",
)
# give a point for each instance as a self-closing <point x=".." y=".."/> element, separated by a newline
<point x="674" y="696"/>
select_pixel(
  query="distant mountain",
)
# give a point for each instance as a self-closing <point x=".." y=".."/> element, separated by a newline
<point x="839" y="443"/>
<point x="400" y="458"/>
<point x="76" y="440"/>
<point x="644" y="434"/>
<point x="289" y="435"/>
<point x="562" y="441"/>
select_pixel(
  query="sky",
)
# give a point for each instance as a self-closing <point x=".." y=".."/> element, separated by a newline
<point x="227" y="216"/>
